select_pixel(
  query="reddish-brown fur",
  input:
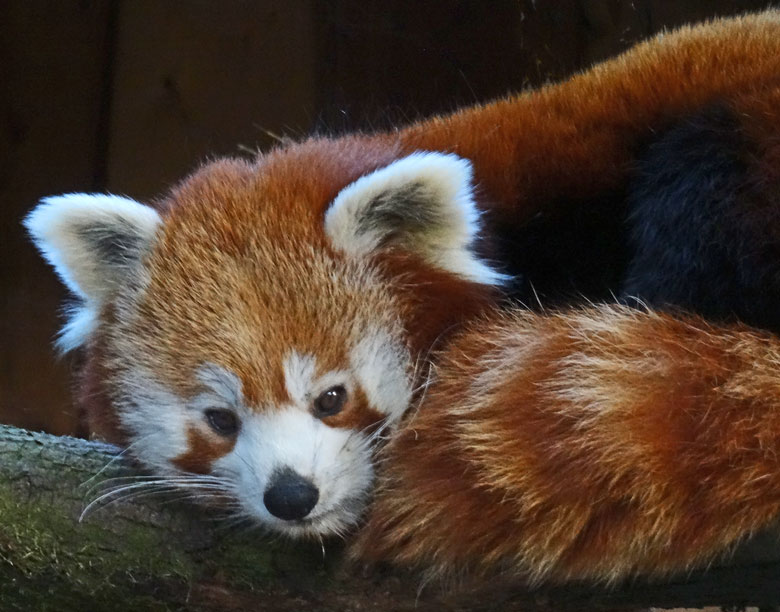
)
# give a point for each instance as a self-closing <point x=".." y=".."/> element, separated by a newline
<point x="229" y="213"/>
<point x="357" y="414"/>
<point x="576" y="139"/>
<point x="611" y="442"/>
<point x="594" y="444"/>
<point x="102" y="422"/>
<point x="203" y="448"/>
<point x="590" y="443"/>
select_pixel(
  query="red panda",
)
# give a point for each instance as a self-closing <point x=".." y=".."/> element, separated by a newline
<point x="255" y="335"/>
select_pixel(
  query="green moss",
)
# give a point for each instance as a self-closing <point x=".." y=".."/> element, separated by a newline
<point x="41" y="549"/>
<point x="50" y="562"/>
<point x="49" y="592"/>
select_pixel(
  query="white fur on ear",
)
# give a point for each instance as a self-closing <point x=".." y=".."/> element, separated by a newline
<point x="423" y="203"/>
<point x="93" y="241"/>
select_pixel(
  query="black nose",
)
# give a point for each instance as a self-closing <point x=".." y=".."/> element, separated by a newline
<point x="290" y="496"/>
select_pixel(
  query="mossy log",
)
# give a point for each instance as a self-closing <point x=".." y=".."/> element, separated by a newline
<point x="157" y="553"/>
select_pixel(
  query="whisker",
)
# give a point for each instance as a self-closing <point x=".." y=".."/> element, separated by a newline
<point x="114" y="492"/>
<point x="136" y="495"/>
<point x="318" y="447"/>
<point x="132" y="487"/>
<point x="322" y="545"/>
<point x="145" y="478"/>
<point x="113" y="460"/>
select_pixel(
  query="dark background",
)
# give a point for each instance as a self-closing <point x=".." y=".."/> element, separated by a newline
<point x="127" y="96"/>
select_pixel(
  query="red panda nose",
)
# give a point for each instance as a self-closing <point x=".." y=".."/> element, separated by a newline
<point x="290" y="496"/>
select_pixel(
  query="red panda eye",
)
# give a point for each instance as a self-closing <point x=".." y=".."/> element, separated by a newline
<point x="224" y="422"/>
<point x="330" y="402"/>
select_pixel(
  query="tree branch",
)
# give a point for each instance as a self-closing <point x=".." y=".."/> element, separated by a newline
<point x="158" y="553"/>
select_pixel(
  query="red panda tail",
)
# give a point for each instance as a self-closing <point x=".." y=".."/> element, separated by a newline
<point x="595" y="443"/>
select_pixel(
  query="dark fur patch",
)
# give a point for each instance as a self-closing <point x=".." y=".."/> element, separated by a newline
<point x="560" y="258"/>
<point x="703" y="225"/>
<point x="400" y="212"/>
<point x="112" y="244"/>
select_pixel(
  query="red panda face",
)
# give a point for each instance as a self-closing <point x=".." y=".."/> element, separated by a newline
<point x="252" y="341"/>
<point x="271" y="372"/>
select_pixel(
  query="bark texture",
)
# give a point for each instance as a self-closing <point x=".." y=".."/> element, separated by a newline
<point x="160" y="553"/>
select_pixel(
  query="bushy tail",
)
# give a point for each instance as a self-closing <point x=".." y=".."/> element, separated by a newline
<point x="593" y="443"/>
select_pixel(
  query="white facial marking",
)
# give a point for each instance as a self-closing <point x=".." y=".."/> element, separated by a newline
<point x="379" y="363"/>
<point x="222" y="384"/>
<point x="298" y="375"/>
<point x="335" y="460"/>
<point x="157" y="420"/>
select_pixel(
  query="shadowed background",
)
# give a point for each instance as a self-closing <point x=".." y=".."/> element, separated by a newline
<point x="128" y="96"/>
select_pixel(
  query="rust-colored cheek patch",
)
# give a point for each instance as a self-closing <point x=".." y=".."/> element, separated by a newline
<point x="202" y="450"/>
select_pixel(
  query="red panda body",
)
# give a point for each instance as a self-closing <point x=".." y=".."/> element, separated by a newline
<point x="257" y="334"/>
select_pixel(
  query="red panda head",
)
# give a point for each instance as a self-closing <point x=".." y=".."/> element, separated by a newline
<point x="255" y="332"/>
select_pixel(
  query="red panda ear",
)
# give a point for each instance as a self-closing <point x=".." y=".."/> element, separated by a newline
<point x="93" y="242"/>
<point x="422" y="203"/>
